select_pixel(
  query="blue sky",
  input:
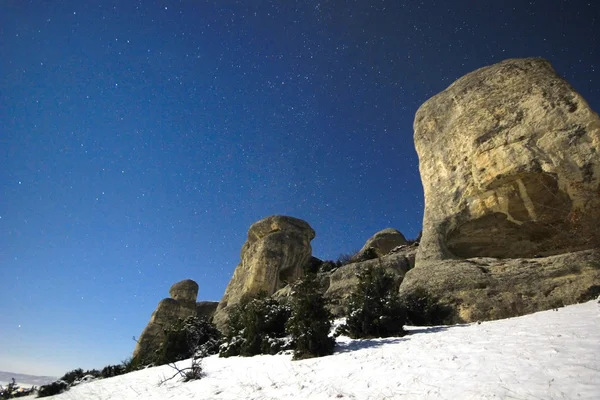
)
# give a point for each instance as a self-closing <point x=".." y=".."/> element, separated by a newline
<point x="140" y="140"/>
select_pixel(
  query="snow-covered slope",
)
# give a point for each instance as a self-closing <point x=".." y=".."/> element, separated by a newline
<point x="547" y="355"/>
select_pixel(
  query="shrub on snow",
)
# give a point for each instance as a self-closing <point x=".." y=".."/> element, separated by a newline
<point x="256" y="326"/>
<point x="310" y="322"/>
<point x="424" y="309"/>
<point x="374" y="309"/>
<point x="53" y="388"/>
<point x="187" y="338"/>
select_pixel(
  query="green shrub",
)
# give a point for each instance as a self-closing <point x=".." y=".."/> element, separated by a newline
<point x="72" y="376"/>
<point x="367" y="254"/>
<point x="310" y="322"/>
<point x="346" y="258"/>
<point x="14" y="391"/>
<point x="53" y="388"/>
<point x="77" y="374"/>
<point x="423" y="309"/>
<point x="312" y="266"/>
<point x="113" y="370"/>
<point x="328" y="266"/>
<point x="255" y="326"/>
<point x="374" y="309"/>
<point x="6" y="392"/>
<point x="591" y="293"/>
<point x="131" y="364"/>
<point x="186" y="338"/>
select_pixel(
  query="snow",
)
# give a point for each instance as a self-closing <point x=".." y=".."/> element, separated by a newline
<point x="553" y="354"/>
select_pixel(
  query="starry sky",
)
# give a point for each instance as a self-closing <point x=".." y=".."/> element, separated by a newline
<point x="140" y="139"/>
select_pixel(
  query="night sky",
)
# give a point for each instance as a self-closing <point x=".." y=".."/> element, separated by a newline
<point x="139" y="140"/>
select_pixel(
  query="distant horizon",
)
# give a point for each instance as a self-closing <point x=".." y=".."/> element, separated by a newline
<point x="25" y="379"/>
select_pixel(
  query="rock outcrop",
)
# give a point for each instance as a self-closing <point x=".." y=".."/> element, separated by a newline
<point x="384" y="241"/>
<point x="180" y="305"/>
<point x="479" y="289"/>
<point x="341" y="282"/>
<point x="274" y="255"/>
<point x="509" y="156"/>
<point x="184" y="291"/>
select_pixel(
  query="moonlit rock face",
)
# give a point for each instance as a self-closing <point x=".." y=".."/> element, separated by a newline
<point x="384" y="241"/>
<point x="276" y="250"/>
<point x="179" y="306"/>
<point x="509" y="156"/>
<point x="186" y="290"/>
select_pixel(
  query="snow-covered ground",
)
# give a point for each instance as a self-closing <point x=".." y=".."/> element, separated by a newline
<point x="547" y="355"/>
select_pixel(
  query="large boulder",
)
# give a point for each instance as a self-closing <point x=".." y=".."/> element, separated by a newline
<point x="509" y="156"/>
<point x="186" y="290"/>
<point x="274" y="255"/>
<point x="384" y="241"/>
<point x="180" y="305"/>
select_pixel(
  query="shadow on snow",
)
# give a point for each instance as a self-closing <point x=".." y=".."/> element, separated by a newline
<point x="358" y="344"/>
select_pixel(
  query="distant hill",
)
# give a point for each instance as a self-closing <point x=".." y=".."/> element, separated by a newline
<point x="24" y="380"/>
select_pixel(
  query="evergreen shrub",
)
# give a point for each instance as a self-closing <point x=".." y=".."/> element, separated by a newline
<point x="374" y="309"/>
<point x="53" y="388"/>
<point x="256" y="326"/>
<point x="423" y="309"/>
<point x="310" y="322"/>
<point x="187" y="338"/>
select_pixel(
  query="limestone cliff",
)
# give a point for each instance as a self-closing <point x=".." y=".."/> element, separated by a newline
<point x="509" y="159"/>
<point x="509" y="156"/>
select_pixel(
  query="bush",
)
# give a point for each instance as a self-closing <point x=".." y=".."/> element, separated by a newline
<point x="368" y="254"/>
<point x="422" y="309"/>
<point x="113" y="370"/>
<point x="6" y="392"/>
<point x="255" y="326"/>
<point x="310" y="322"/>
<point x="374" y="309"/>
<point x="328" y="266"/>
<point x="72" y="376"/>
<point x="53" y="388"/>
<point x="78" y="374"/>
<point x="194" y="372"/>
<point x="346" y="258"/>
<point x="187" y="338"/>
<point x="191" y="373"/>
<point x="13" y="391"/>
<point x="131" y="364"/>
<point x="312" y="266"/>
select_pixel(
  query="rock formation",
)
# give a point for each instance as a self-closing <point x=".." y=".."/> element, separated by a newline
<point x="274" y="255"/>
<point x="479" y="289"/>
<point x="180" y="305"/>
<point x="342" y="282"/>
<point x="384" y="241"/>
<point x="509" y="156"/>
